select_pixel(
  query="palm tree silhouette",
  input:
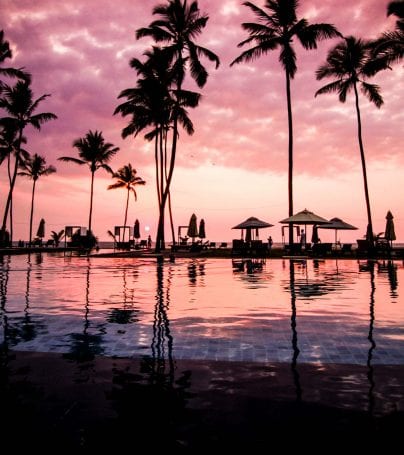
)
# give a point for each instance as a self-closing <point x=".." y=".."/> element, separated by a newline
<point x="5" y="52"/>
<point x="390" y="46"/>
<point x="126" y="178"/>
<point x="350" y="62"/>
<point x="33" y="168"/>
<point x="178" y="25"/>
<point x="57" y="236"/>
<point x="276" y="30"/>
<point x="18" y="103"/>
<point x="96" y="153"/>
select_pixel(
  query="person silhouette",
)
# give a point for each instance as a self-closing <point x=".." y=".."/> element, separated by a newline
<point x="149" y="242"/>
<point x="270" y="242"/>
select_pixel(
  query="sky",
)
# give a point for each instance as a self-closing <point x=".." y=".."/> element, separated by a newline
<point x="235" y="164"/>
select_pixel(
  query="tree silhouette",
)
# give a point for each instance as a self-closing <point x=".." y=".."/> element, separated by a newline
<point x="350" y="63"/>
<point x="179" y="23"/>
<point x="276" y="29"/>
<point x="96" y="153"/>
<point x="33" y="168"/>
<point x="18" y="103"/>
<point x="126" y="178"/>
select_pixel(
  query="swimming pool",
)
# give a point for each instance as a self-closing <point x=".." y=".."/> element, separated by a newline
<point x="325" y="311"/>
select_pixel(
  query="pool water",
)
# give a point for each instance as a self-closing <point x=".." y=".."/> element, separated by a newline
<point x="315" y="312"/>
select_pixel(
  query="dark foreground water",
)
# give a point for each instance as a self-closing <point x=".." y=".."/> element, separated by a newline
<point x="199" y="355"/>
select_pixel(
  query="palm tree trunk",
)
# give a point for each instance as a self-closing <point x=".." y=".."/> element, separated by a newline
<point x="91" y="201"/>
<point x="12" y="184"/>
<point x="32" y="212"/>
<point x="170" y="211"/>
<point x="290" y="155"/>
<point x="126" y="215"/>
<point x="365" y="179"/>
<point x="160" y="229"/>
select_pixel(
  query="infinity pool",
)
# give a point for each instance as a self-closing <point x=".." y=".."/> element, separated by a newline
<point x="322" y="312"/>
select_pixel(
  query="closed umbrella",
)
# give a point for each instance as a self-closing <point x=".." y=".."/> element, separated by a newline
<point x="314" y="237"/>
<point x="41" y="229"/>
<point x="136" y="230"/>
<point x="202" y="233"/>
<point x="192" y="227"/>
<point x="389" y="233"/>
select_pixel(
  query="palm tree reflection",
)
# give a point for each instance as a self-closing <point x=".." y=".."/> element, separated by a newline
<point x="162" y="342"/>
<point x="4" y="275"/>
<point x="293" y="324"/>
<point x="85" y="346"/>
<point x="128" y="314"/>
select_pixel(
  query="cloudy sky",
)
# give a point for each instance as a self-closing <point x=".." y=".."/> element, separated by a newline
<point x="235" y="165"/>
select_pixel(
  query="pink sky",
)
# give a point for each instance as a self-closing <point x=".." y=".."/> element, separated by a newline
<point x="235" y="165"/>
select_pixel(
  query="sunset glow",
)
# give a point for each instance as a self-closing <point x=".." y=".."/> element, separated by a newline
<point x="235" y="165"/>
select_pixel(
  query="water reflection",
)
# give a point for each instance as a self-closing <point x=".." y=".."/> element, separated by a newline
<point x="293" y="325"/>
<point x="128" y="313"/>
<point x="84" y="346"/>
<point x="390" y="269"/>
<point x="4" y="277"/>
<point x="161" y="363"/>
<point x="196" y="269"/>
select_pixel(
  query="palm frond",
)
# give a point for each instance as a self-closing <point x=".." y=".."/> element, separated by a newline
<point x="372" y="92"/>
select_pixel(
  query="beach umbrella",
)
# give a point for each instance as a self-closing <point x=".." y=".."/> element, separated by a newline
<point x="252" y="223"/>
<point x="202" y="233"/>
<point x="304" y="217"/>
<point x="136" y="230"/>
<point x="192" y="227"/>
<point x="338" y="225"/>
<point x="389" y="232"/>
<point x="41" y="229"/>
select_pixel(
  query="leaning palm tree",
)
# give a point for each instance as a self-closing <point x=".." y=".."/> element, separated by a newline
<point x="350" y="63"/>
<point x="178" y="25"/>
<point x="18" y="103"/>
<point x="33" y="168"/>
<point x="276" y="29"/>
<point x="96" y="153"/>
<point x="126" y="178"/>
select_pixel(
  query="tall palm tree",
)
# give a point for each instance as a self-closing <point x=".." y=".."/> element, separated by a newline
<point x="390" y="46"/>
<point x="350" y="63"/>
<point x="18" y="103"/>
<point x="126" y="178"/>
<point x="96" y="153"/>
<point x="33" y="168"/>
<point x="276" y="29"/>
<point x="178" y="25"/>
<point x="151" y="106"/>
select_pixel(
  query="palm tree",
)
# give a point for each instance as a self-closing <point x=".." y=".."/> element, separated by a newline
<point x="33" y="168"/>
<point x="390" y="46"/>
<point x="276" y="29"/>
<point x="96" y="153"/>
<point x="179" y="23"/>
<point x="18" y="103"/>
<point x="126" y="178"/>
<point x="350" y="63"/>
<point x="5" y="52"/>
<point x="57" y="236"/>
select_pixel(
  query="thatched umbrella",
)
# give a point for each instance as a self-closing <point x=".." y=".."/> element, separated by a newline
<point x="338" y="225"/>
<point x="252" y="223"/>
